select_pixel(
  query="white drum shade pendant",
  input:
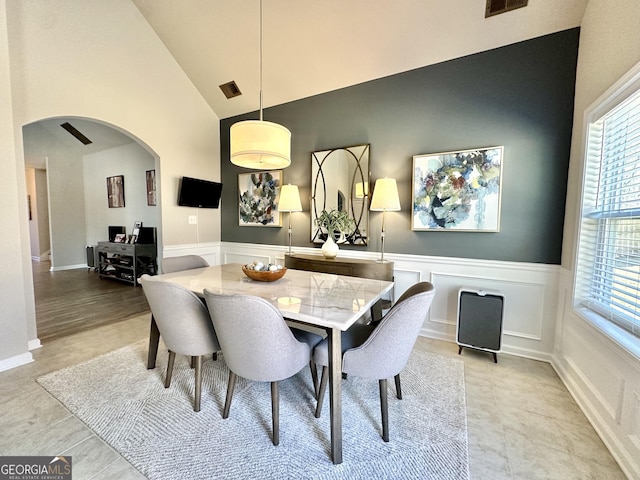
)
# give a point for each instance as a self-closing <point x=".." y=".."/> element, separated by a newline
<point x="260" y="145"/>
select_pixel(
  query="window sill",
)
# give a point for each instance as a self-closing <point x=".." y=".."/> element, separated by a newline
<point x="619" y="336"/>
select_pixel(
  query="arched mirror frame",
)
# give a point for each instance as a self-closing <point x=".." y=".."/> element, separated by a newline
<point x="357" y="205"/>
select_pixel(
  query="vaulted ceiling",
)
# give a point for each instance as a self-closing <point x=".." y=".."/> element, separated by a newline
<point x="315" y="46"/>
<point x="312" y="47"/>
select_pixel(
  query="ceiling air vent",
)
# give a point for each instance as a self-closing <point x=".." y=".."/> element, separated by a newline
<point x="230" y="89"/>
<point x="76" y="133"/>
<point x="495" y="7"/>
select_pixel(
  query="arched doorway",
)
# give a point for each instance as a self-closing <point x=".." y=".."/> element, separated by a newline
<point x="77" y="156"/>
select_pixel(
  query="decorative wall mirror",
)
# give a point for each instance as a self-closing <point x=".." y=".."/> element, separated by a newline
<point x="340" y="181"/>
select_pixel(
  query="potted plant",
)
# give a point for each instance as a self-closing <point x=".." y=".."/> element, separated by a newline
<point x="334" y="221"/>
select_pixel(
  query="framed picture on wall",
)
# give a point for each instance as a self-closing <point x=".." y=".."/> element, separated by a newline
<point x="258" y="198"/>
<point x="457" y="191"/>
<point x="135" y="232"/>
<point x="151" y="188"/>
<point x="115" y="191"/>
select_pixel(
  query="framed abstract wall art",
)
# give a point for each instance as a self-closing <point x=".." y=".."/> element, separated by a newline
<point x="151" y="188"/>
<point x="115" y="191"/>
<point x="258" y="198"/>
<point x="457" y="191"/>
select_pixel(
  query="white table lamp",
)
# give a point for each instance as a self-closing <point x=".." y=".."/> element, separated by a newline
<point x="385" y="198"/>
<point x="289" y="202"/>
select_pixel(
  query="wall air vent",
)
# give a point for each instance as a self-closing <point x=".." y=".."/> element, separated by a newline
<point x="495" y="7"/>
<point x="76" y="133"/>
<point x="230" y="89"/>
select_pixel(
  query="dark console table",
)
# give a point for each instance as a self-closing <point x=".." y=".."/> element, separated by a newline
<point x="352" y="267"/>
<point x="126" y="262"/>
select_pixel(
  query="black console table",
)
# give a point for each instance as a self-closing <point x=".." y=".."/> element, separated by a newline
<point x="126" y="262"/>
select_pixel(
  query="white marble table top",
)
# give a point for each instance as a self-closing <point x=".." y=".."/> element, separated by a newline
<point x="321" y="299"/>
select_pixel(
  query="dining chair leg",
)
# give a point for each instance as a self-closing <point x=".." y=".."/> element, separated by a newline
<point x="275" y="412"/>
<point x="193" y="362"/>
<point x="198" y="389"/>
<point x="321" y="389"/>
<point x="384" y="408"/>
<point x="215" y="356"/>
<point x="314" y="377"/>
<point x="170" y="362"/>
<point x="230" y="388"/>
<point x="398" y="387"/>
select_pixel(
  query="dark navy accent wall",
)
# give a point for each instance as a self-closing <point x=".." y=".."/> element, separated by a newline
<point x="519" y="96"/>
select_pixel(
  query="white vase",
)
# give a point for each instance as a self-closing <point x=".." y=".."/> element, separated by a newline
<point x="330" y="248"/>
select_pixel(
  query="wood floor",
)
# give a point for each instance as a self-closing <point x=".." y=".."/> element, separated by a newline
<point x="73" y="301"/>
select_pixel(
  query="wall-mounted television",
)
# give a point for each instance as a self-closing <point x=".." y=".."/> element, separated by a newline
<point x="194" y="192"/>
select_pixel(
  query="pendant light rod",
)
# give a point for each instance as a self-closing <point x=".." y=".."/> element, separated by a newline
<point x="260" y="60"/>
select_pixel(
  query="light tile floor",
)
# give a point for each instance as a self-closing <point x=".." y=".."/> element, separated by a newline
<point x="522" y="422"/>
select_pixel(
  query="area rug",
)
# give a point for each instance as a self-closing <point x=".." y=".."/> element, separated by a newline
<point x="158" y="432"/>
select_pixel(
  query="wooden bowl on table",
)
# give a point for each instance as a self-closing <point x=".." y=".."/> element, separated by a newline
<point x="264" y="276"/>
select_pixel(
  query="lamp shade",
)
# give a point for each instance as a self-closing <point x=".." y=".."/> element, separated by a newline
<point x="260" y="145"/>
<point x="385" y="195"/>
<point x="289" y="199"/>
<point x="362" y="189"/>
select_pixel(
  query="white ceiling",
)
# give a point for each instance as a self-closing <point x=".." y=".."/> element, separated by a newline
<point x="316" y="46"/>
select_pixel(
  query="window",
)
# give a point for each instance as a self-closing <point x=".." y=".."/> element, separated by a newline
<point x="608" y="266"/>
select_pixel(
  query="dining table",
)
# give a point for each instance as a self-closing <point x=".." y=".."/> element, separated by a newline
<point x="324" y="301"/>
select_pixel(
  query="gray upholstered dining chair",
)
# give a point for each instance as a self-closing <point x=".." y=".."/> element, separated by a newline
<point x="380" y="351"/>
<point x="183" y="262"/>
<point x="258" y="345"/>
<point x="184" y="324"/>
<point x="179" y="264"/>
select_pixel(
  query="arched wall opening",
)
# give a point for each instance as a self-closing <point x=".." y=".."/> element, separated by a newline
<point x="77" y="172"/>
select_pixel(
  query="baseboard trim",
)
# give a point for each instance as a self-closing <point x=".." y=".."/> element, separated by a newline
<point x="34" y="344"/>
<point x="13" y="362"/>
<point x="69" y="267"/>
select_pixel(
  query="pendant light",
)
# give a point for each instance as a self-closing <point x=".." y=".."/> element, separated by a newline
<point x="258" y="144"/>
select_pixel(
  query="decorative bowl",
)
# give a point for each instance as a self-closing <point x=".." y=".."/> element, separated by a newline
<point x="264" y="276"/>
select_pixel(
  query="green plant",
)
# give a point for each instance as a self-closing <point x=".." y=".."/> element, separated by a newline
<point x="335" y="221"/>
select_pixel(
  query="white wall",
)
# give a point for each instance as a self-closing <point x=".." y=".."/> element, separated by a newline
<point x="66" y="204"/>
<point x="39" y="209"/>
<point x="66" y="195"/>
<point x="34" y="233"/>
<point x="42" y="212"/>
<point x="14" y="244"/>
<point x="602" y="375"/>
<point x="132" y="161"/>
<point x="102" y="61"/>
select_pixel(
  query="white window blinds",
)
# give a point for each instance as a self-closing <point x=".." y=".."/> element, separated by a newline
<point x="608" y="270"/>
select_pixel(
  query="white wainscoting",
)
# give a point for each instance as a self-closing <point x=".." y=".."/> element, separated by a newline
<point x="209" y="251"/>
<point x="604" y="378"/>
<point x="529" y="289"/>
